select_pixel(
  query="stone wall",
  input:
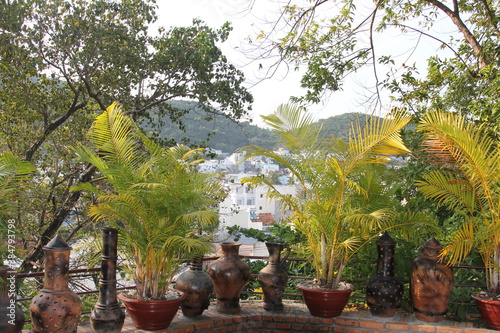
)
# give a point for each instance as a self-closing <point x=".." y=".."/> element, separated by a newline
<point x="296" y="318"/>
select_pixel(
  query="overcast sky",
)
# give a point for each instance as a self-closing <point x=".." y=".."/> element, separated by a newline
<point x="269" y="94"/>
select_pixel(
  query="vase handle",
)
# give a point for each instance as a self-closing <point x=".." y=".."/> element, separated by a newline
<point x="285" y="257"/>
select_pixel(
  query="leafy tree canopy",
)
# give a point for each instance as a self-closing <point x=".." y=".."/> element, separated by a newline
<point x="336" y="38"/>
<point x="62" y="62"/>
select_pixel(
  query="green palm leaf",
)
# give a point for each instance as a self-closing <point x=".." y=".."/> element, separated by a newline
<point x="335" y="183"/>
<point x="159" y="199"/>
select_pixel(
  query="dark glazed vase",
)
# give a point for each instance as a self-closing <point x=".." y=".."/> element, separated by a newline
<point x="431" y="283"/>
<point x="383" y="291"/>
<point x="56" y="308"/>
<point x="11" y="316"/>
<point x="273" y="278"/>
<point x="107" y="316"/>
<point x="198" y="287"/>
<point x="229" y="275"/>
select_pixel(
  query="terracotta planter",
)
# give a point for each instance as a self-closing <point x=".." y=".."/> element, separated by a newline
<point x="325" y="303"/>
<point x="490" y="311"/>
<point x="152" y="315"/>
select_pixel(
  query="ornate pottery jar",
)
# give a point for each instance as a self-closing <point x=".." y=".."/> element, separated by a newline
<point x="56" y="308"/>
<point x="198" y="286"/>
<point x="229" y="275"/>
<point x="384" y="291"/>
<point x="107" y="316"/>
<point x="273" y="278"/>
<point x="431" y="283"/>
<point x="11" y="316"/>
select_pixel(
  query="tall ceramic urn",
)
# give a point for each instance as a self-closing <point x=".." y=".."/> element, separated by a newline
<point x="273" y="278"/>
<point x="107" y="316"/>
<point x="383" y="291"/>
<point x="198" y="286"/>
<point x="229" y="275"/>
<point x="11" y="316"/>
<point x="431" y="283"/>
<point x="56" y="309"/>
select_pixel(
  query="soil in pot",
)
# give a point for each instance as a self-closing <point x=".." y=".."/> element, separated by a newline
<point x="152" y="315"/>
<point x="325" y="302"/>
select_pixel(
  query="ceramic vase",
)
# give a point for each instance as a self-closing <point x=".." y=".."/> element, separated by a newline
<point x="198" y="287"/>
<point x="56" y="309"/>
<point x="431" y="283"/>
<point x="107" y="316"/>
<point x="383" y="291"/>
<point x="273" y="278"/>
<point x="11" y="316"/>
<point x="229" y="275"/>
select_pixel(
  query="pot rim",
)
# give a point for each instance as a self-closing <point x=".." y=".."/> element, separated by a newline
<point x="182" y="296"/>
<point x="477" y="297"/>
<point x="350" y="289"/>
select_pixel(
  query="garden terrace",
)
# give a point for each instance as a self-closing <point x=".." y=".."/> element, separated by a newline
<point x="295" y="317"/>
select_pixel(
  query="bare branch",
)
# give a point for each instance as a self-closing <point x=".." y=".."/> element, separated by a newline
<point x="455" y="17"/>
<point x="372" y="47"/>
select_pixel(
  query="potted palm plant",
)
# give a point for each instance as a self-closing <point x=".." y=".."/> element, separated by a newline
<point x="467" y="181"/>
<point x="158" y="202"/>
<point x="334" y="206"/>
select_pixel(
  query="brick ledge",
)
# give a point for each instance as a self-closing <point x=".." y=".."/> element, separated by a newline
<point x="296" y="318"/>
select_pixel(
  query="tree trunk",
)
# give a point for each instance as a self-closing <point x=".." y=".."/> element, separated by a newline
<point x="61" y="215"/>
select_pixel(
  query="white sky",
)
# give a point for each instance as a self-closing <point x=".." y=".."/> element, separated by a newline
<point x="269" y="94"/>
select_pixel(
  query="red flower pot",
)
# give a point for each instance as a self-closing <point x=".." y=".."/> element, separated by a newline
<point x="325" y="303"/>
<point x="490" y="311"/>
<point x="152" y="315"/>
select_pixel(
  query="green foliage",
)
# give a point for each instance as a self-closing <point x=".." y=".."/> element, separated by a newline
<point x="334" y="39"/>
<point x="14" y="174"/>
<point x="342" y="204"/>
<point x="278" y="233"/>
<point x="158" y="202"/>
<point x="467" y="180"/>
<point x="62" y="62"/>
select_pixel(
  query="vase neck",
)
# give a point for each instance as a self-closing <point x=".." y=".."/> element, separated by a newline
<point x="196" y="264"/>
<point x="230" y="249"/>
<point x="385" y="263"/>
<point x="56" y="270"/>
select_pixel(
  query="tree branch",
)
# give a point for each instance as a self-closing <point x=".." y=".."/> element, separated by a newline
<point x="455" y="17"/>
<point x="491" y="16"/>
<point x="61" y="214"/>
<point x="372" y="47"/>
<point x="54" y="126"/>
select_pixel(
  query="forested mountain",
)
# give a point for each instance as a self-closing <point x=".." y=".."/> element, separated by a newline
<point x="226" y="135"/>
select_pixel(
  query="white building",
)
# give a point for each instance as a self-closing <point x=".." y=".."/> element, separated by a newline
<point x="244" y="205"/>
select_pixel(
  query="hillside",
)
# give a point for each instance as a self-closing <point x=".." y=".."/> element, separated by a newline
<point x="226" y="135"/>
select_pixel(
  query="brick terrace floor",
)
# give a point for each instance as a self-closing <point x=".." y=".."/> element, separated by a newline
<point x="296" y="318"/>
